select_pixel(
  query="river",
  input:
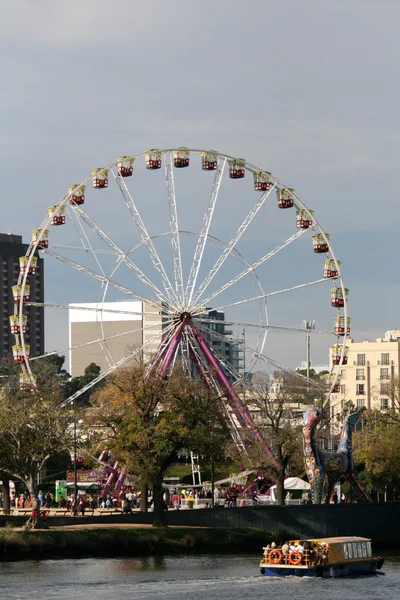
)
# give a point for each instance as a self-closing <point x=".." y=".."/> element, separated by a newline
<point x="182" y="577"/>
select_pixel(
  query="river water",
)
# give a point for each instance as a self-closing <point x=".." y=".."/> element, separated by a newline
<point x="182" y="577"/>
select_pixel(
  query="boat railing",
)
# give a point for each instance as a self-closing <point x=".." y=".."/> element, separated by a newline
<point x="307" y="558"/>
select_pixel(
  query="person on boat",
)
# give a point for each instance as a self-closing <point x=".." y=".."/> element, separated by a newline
<point x="285" y="551"/>
<point x="323" y="553"/>
<point x="300" y="548"/>
<point x="267" y="550"/>
<point x="273" y="545"/>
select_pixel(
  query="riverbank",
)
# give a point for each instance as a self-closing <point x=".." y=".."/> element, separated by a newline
<point x="81" y="542"/>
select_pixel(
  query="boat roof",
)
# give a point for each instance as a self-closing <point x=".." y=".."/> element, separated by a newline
<point x="340" y="539"/>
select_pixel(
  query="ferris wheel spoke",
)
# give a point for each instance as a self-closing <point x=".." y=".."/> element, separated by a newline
<point x="262" y="296"/>
<point x="126" y="259"/>
<point x="254" y="266"/>
<point x="228" y="249"/>
<point x="174" y="227"/>
<point x="264" y="358"/>
<point x="90" y="309"/>
<point x="104" y="374"/>
<point x="267" y="326"/>
<point x="144" y="234"/>
<point x="97" y="341"/>
<point x="100" y="277"/>
<point x="201" y="243"/>
<point x="79" y="228"/>
<point x="83" y="249"/>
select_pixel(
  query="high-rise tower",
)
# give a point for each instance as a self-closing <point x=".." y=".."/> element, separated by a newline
<point x="11" y="249"/>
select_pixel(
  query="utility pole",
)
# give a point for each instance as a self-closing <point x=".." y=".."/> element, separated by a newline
<point x="308" y="326"/>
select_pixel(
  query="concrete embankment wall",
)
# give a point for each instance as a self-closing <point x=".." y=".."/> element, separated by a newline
<point x="381" y="522"/>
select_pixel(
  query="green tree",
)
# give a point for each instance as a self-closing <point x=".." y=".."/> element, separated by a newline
<point x="376" y="446"/>
<point x="33" y="427"/>
<point x="77" y="383"/>
<point x="145" y="421"/>
<point x="281" y="429"/>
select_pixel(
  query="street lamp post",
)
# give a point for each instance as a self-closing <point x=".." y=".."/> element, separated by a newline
<point x="308" y="326"/>
<point x="75" y="473"/>
<point x="244" y="363"/>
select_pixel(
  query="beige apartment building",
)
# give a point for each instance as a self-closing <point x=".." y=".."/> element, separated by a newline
<point x="105" y="333"/>
<point x="370" y="367"/>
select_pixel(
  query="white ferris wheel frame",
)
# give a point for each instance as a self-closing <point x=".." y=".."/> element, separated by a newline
<point x="177" y="296"/>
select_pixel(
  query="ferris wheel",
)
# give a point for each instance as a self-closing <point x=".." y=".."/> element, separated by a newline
<point x="203" y="256"/>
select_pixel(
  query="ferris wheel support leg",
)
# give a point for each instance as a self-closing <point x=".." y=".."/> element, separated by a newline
<point x="237" y="405"/>
<point x="172" y="349"/>
<point x="205" y="376"/>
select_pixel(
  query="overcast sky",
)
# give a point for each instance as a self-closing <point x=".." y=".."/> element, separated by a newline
<point x="307" y="89"/>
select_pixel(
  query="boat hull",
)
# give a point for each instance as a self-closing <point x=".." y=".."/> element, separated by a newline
<point x="353" y="569"/>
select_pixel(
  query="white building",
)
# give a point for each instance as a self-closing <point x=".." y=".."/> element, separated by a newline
<point x="370" y="368"/>
<point x="104" y="333"/>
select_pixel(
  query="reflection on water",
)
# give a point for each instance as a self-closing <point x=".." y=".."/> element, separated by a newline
<point x="181" y="578"/>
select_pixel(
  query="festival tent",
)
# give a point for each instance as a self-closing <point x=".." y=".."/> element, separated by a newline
<point x="295" y="483"/>
<point x="239" y="478"/>
<point x="290" y="484"/>
<point x="87" y="486"/>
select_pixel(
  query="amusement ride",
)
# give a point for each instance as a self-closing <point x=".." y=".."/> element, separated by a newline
<point x="109" y="243"/>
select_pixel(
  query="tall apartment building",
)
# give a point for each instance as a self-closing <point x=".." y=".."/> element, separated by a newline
<point x="11" y="249"/>
<point x="103" y="334"/>
<point x="230" y="353"/>
<point x="370" y="367"/>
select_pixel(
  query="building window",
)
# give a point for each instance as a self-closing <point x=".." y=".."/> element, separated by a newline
<point x="361" y="360"/>
<point x="360" y="389"/>
<point x="360" y="402"/>
<point x="343" y="389"/>
<point x="360" y="374"/>
<point x="384" y="374"/>
<point x="384" y="388"/>
<point x="385" y="359"/>
<point x="384" y="403"/>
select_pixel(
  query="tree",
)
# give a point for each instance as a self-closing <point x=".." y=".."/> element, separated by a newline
<point x="306" y="392"/>
<point x="393" y="391"/>
<point x="77" y="383"/>
<point x="281" y="430"/>
<point x="33" y="427"/>
<point x="145" y="422"/>
<point x="377" y="447"/>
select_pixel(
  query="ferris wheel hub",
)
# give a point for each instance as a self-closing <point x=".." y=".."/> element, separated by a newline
<point x="185" y="316"/>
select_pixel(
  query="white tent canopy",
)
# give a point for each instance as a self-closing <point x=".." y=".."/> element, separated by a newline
<point x="291" y="483"/>
<point x="240" y="478"/>
<point x="295" y="483"/>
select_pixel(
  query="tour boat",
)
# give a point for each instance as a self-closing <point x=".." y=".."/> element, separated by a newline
<point x="324" y="557"/>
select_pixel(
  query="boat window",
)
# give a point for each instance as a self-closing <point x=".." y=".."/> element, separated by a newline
<point x="358" y="553"/>
<point x="369" y="549"/>
<point x="338" y="547"/>
<point x="350" y="550"/>
<point x="346" y="550"/>
<point x="359" y="549"/>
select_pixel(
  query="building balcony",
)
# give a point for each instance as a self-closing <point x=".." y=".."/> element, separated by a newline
<point x="360" y="377"/>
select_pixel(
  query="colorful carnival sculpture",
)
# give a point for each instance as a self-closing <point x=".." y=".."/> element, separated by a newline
<point x="325" y="467"/>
